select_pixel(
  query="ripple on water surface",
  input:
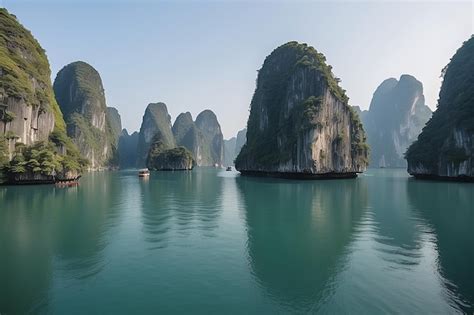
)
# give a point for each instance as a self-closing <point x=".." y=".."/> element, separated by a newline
<point x="210" y="241"/>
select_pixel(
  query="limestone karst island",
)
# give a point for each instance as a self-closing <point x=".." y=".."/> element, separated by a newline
<point x="236" y="157"/>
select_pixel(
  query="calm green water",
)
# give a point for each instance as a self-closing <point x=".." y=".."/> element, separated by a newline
<point x="210" y="241"/>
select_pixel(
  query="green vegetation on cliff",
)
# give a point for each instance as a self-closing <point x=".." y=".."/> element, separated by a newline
<point x="80" y="94"/>
<point x="202" y="137"/>
<point x="25" y="76"/>
<point x="44" y="158"/>
<point x="3" y="158"/>
<point x="156" y="124"/>
<point x="161" y="157"/>
<point x="455" y="112"/>
<point x="290" y="94"/>
<point x="17" y="70"/>
<point x="77" y="83"/>
<point x="115" y="123"/>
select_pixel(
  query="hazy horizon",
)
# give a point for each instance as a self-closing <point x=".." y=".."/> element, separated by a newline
<point x="207" y="56"/>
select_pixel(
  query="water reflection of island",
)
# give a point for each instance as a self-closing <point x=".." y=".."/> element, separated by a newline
<point x="449" y="209"/>
<point x="180" y="202"/>
<point x="52" y="226"/>
<point x="297" y="232"/>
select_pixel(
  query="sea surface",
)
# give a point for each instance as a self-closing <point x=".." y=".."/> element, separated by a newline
<point x="213" y="242"/>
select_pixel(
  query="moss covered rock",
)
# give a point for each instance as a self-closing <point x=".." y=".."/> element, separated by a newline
<point x="115" y="122"/>
<point x="162" y="158"/>
<point x="156" y="124"/>
<point x="80" y="94"/>
<point x="26" y="95"/>
<point x="30" y="118"/>
<point x="202" y="137"/>
<point x="300" y="123"/>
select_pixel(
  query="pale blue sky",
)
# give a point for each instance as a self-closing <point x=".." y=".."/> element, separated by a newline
<point x="194" y="55"/>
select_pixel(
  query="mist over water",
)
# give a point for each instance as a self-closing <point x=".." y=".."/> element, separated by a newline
<point x="210" y="241"/>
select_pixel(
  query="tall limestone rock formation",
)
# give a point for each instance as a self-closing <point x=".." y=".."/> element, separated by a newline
<point x="186" y="133"/>
<point x="127" y="149"/>
<point x="80" y="94"/>
<point x="445" y="148"/>
<point x="156" y="143"/>
<point x="156" y="121"/>
<point x="203" y="137"/>
<point x="115" y="121"/>
<point x="240" y="141"/>
<point x="229" y="151"/>
<point x="300" y="123"/>
<point x="28" y="110"/>
<point x="30" y="119"/>
<point x="211" y="147"/>
<point x="394" y="120"/>
<point x="233" y="146"/>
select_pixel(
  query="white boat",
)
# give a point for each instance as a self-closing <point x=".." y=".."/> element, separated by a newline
<point x="143" y="172"/>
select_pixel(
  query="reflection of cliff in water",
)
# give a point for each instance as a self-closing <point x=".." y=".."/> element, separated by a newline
<point x="180" y="202"/>
<point x="450" y="210"/>
<point x="26" y="249"/>
<point x="50" y="226"/>
<point x="88" y="214"/>
<point x="397" y="231"/>
<point x="297" y="232"/>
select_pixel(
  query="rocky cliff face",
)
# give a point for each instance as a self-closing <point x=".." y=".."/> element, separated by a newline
<point x="127" y="149"/>
<point x="395" y="118"/>
<point x="203" y="137"/>
<point x="210" y="151"/>
<point x="156" y="121"/>
<point x="233" y="146"/>
<point x="186" y="133"/>
<point x="445" y="148"/>
<point x="300" y="123"/>
<point x="80" y="95"/>
<point x="115" y="121"/>
<point x="29" y="113"/>
<point x="240" y="141"/>
<point x="229" y="151"/>
<point x="28" y="110"/>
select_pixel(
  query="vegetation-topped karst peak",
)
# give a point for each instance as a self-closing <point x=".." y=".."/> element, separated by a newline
<point x="300" y="120"/>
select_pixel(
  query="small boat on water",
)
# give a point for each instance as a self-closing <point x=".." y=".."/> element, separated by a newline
<point x="229" y="168"/>
<point x="143" y="172"/>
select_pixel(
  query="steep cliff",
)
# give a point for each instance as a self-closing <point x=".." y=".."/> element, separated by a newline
<point x="232" y="147"/>
<point x="396" y="115"/>
<point x="210" y="151"/>
<point x="28" y="109"/>
<point x="156" y="121"/>
<point x="445" y="148"/>
<point x="115" y="122"/>
<point x="80" y="95"/>
<point x="127" y="149"/>
<point x="29" y="113"/>
<point x="203" y="137"/>
<point x="300" y="123"/>
<point x="229" y="151"/>
<point x="240" y="141"/>
<point x="186" y="133"/>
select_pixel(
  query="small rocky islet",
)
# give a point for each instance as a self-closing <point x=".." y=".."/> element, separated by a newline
<point x="300" y="124"/>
